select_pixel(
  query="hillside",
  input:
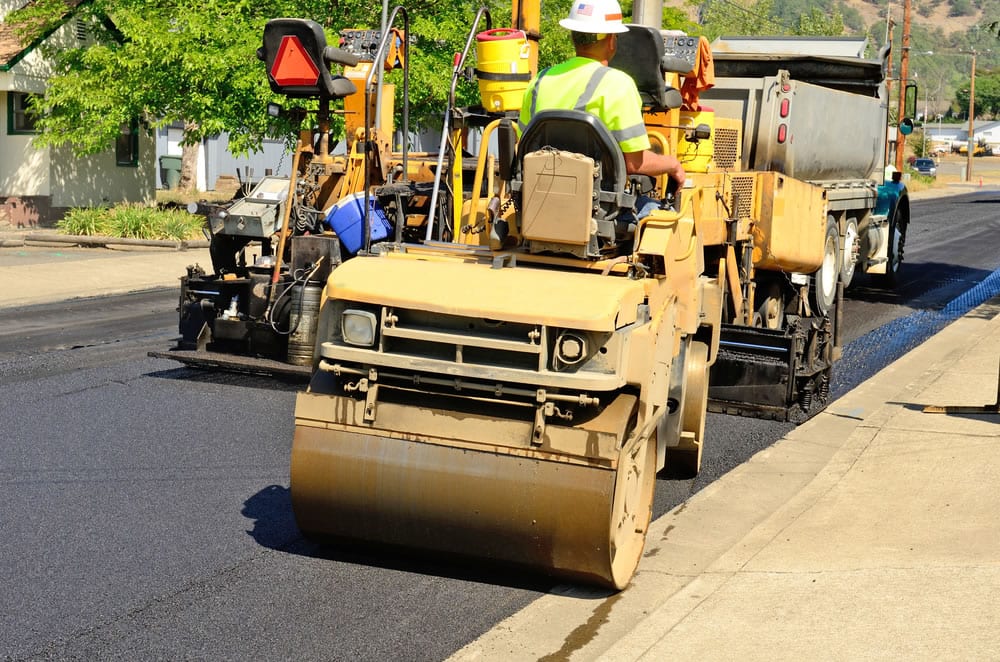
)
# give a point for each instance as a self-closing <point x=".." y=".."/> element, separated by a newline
<point x="936" y="17"/>
<point x="930" y="18"/>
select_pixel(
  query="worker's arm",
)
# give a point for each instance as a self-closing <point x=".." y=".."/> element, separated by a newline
<point x="648" y="162"/>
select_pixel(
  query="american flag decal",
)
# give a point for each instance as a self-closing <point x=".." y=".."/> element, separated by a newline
<point x="584" y="9"/>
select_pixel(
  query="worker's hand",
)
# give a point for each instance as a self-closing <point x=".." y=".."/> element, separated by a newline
<point x="648" y="162"/>
<point x="679" y="176"/>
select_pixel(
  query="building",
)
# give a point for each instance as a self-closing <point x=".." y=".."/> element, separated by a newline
<point x="39" y="184"/>
<point x="217" y="165"/>
<point x="956" y="136"/>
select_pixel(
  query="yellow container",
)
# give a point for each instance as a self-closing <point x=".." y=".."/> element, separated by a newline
<point x="504" y="68"/>
<point x="696" y="156"/>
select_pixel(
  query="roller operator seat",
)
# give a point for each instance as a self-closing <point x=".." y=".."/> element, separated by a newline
<point x="570" y="176"/>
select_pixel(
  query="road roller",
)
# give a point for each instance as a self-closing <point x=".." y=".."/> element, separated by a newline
<point x="507" y="386"/>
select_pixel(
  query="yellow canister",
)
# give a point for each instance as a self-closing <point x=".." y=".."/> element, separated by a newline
<point x="504" y="68"/>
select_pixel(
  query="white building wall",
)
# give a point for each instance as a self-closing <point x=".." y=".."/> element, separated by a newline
<point x="69" y="181"/>
<point x="24" y="170"/>
<point x="97" y="180"/>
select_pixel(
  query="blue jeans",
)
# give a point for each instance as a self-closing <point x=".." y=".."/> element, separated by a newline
<point x="626" y="221"/>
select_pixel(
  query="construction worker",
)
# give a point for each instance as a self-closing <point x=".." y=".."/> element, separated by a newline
<point x="586" y="82"/>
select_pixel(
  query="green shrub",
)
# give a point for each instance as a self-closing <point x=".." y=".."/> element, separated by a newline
<point x="132" y="221"/>
<point x="85" y="222"/>
<point x="181" y="225"/>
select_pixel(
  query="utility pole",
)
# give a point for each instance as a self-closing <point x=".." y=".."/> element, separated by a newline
<point x="904" y="70"/>
<point x="888" y="81"/>
<point x="972" y="114"/>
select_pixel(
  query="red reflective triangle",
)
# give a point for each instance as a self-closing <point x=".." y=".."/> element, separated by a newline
<point x="293" y="66"/>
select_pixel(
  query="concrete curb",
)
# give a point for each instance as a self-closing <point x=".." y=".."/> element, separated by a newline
<point x="101" y="242"/>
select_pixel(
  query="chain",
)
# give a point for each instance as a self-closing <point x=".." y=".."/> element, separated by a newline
<point x="505" y="206"/>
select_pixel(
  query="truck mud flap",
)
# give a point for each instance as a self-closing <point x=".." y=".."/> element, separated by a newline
<point x="778" y="375"/>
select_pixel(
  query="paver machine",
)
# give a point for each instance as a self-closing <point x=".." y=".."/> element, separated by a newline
<point x="273" y="249"/>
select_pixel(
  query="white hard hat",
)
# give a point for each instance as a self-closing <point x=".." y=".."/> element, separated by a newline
<point x="595" y="16"/>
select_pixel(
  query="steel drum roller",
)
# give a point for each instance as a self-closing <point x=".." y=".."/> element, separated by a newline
<point x="571" y="519"/>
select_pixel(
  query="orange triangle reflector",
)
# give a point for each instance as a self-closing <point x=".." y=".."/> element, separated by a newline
<point x="293" y="66"/>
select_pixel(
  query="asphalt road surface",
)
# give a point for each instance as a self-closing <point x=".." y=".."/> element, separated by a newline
<point x="145" y="510"/>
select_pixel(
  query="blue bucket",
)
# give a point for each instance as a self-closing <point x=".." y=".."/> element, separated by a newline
<point x="347" y="219"/>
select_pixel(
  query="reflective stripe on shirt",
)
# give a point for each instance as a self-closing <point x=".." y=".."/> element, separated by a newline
<point x="607" y="93"/>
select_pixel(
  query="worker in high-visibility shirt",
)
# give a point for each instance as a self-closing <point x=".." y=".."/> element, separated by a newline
<point x="586" y="82"/>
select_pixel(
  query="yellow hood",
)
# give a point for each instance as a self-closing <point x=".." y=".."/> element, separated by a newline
<point x="586" y="301"/>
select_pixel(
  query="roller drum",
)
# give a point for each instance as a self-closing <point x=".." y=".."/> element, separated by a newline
<point x="575" y="520"/>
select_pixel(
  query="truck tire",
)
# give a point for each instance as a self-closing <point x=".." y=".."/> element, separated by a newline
<point x="849" y="251"/>
<point x="823" y="288"/>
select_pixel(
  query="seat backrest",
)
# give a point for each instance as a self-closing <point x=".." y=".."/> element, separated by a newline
<point x="294" y="51"/>
<point x="580" y="132"/>
<point x="640" y="54"/>
<point x="569" y="174"/>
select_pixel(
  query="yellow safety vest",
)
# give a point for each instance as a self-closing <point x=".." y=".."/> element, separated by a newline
<point x="584" y="84"/>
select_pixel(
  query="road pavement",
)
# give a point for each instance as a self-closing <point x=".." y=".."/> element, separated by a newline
<point x="868" y="532"/>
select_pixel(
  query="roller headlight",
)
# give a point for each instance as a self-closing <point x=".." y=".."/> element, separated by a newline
<point x="358" y="327"/>
<point x="571" y="348"/>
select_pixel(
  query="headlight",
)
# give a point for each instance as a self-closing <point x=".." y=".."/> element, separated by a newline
<point x="571" y="348"/>
<point x="358" y="327"/>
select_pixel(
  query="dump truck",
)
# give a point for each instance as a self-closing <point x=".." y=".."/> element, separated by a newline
<point x="797" y="156"/>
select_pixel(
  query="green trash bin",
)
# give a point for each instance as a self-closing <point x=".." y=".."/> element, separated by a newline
<point x="170" y="171"/>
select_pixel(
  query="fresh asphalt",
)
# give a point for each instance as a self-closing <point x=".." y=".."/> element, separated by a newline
<point x="147" y="483"/>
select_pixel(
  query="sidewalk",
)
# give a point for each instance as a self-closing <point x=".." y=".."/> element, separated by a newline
<point x="39" y="273"/>
<point x="869" y="532"/>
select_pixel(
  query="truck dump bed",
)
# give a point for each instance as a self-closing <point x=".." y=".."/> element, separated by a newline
<point x="811" y="116"/>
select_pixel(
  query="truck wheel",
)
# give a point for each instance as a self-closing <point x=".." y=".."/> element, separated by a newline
<point x="849" y="251"/>
<point x="894" y="253"/>
<point x="684" y="461"/>
<point x="823" y="289"/>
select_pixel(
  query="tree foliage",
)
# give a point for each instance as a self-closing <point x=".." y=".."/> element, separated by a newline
<point x="987" y="95"/>
<point x="771" y="17"/>
<point x="193" y="63"/>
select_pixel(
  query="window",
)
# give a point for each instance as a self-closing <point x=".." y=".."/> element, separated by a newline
<point x="20" y="117"/>
<point x="127" y="145"/>
<point x="80" y="30"/>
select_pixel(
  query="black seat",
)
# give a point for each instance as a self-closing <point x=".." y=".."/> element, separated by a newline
<point x="640" y="55"/>
<point x="580" y="132"/>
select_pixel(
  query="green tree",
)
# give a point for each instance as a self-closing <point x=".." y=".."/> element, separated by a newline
<point x="987" y="95"/>
<point x="770" y="17"/>
<point x="729" y="17"/>
<point x="816" y="22"/>
<point x="195" y="62"/>
<point x="960" y="8"/>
